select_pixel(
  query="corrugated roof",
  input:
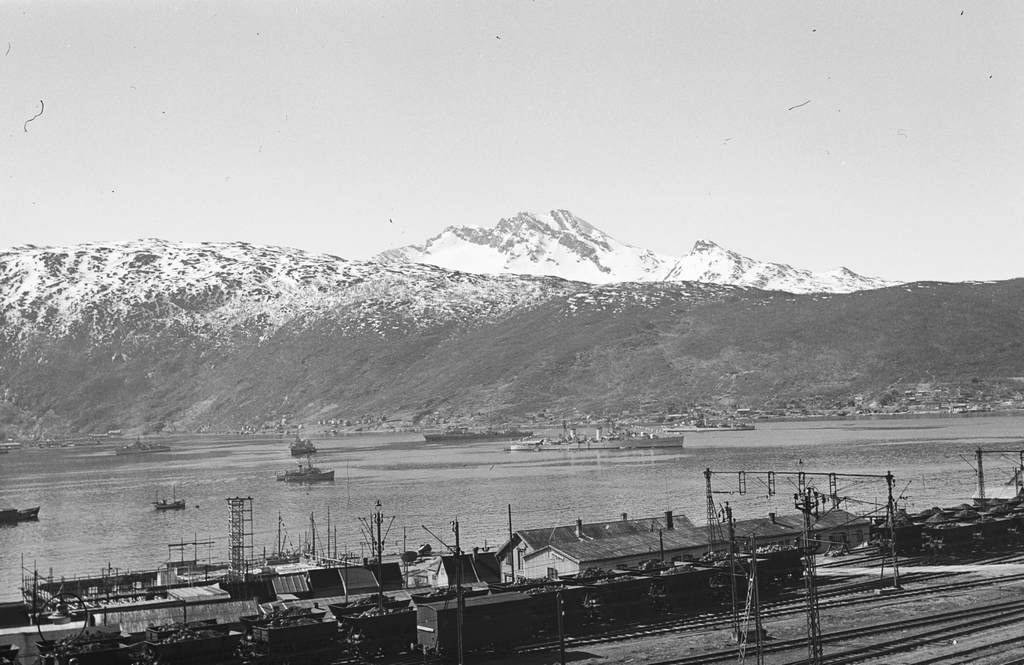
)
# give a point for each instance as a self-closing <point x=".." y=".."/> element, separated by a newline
<point x="637" y="544"/>
<point x="684" y="536"/>
<point x="297" y="584"/>
<point x="136" y="621"/>
<point x="537" y="538"/>
<point x="198" y="594"/>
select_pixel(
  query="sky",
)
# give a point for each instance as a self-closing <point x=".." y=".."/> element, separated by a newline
<point x="886" y="137"/>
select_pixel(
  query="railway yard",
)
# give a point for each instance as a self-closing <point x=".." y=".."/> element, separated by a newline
<point x="945" y="613"/>
<point x="967" y="609"/>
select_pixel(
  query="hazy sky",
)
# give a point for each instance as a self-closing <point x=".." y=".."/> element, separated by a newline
<point x="887" y="137"/>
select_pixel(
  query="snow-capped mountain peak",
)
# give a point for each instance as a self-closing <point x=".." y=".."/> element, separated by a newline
<point x="556" y="243"/>
<point x="561" y="244"/>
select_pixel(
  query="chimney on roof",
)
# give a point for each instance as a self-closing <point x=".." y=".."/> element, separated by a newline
<point x="625" y="517"/>
<point x="579" y="528"/>
<point x="771" y="516"/>
<point x="669" y="525"/>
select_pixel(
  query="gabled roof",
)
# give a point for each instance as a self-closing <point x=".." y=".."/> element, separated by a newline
<point x="538" y="538"/>
<point x="629" y="545"/>
<point x="478" y="567"/>
<point x="358" y="580"/>
<point x="622" y="538"/>
<point x="391" y="572"/>
<point x="325" y="582"/>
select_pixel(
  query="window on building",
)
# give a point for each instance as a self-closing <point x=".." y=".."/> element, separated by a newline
<point x="553" y="573"/>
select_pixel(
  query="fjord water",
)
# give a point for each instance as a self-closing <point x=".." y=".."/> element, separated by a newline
<point x="97" y="510"/>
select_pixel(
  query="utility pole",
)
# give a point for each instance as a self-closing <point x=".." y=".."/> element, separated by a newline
<point x="753" y="606"/>
<point x="890" y="510"/>
<point x="714" y="528"/>
<point x="374" y="537"/>
<point x="378" y="518"/>
<point x="459" y="600"/>
<point x="511" y="548"/>
<point x="806" y="504"/>
<point x="312" y="528"/>
<point x="732" y="571"/>
<point x="560" y="609"/>
<point x="981" y="478"/>
<point x="756" y="591"/>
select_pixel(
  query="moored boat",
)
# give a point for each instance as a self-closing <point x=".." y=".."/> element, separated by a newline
<point x="140" y="448"/>
<point x="306" y="474"/>
<point x="708" y="426"/>
<point x="614" y="439"/>
<point x="28" y="514"/>
<point x="164" y="504"/>
<point x="174" y="504"/>
<point x="302" y="447"/>
<point x="466" y="434"/>
<point x="527" y="444"/>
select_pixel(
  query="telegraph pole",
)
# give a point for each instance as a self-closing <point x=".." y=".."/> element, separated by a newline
<point x="378" y="518"/>
<point x="511" y="550"/>
<point x="732" y="571"/>
<point x="806" y="504"/>
<point x="373" y="537"/>
<point x="560" y="607"/>
<point x="459" y="600"/>
<point x="756" y="592"/>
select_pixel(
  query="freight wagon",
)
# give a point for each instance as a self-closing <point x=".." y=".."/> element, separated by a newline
<point x="379" y="633"/>
<point x="289" y="638"/>
<point x="615" y="598"/>
<point x="681" y="590"/>
<point x="96" y="649"/>
<point x="489" y="623"/>
<point x="194" y="643"/>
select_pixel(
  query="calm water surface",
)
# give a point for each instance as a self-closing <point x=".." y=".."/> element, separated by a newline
<point x="96" y="507"/>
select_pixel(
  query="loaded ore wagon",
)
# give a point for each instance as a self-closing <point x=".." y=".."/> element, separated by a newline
<point x="546" y="608"/>
<point x="290" y="637"/>
<point x="778" y="567"/>
<point x="546" y="594"/>
<point x="493" y="623"/>
<point x="193" y="643"/>
<point x="681" y="590"/>
<point x="617" y="598"/>
<point x="375" y="633"/>
<point x="88" y="649"/>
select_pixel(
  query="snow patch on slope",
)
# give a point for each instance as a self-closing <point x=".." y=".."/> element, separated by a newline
<point x="223" y="289"/>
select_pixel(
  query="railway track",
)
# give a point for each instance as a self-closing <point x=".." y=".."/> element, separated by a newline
<point x="847" y="596"/>
<point x="941" y="626"/>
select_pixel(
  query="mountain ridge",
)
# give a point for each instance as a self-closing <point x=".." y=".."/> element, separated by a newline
<point x="560" y="244"/>
<point x="214" y="336"/>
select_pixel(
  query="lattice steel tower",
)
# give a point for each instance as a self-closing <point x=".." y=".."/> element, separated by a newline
<point x="240" y="534"/>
